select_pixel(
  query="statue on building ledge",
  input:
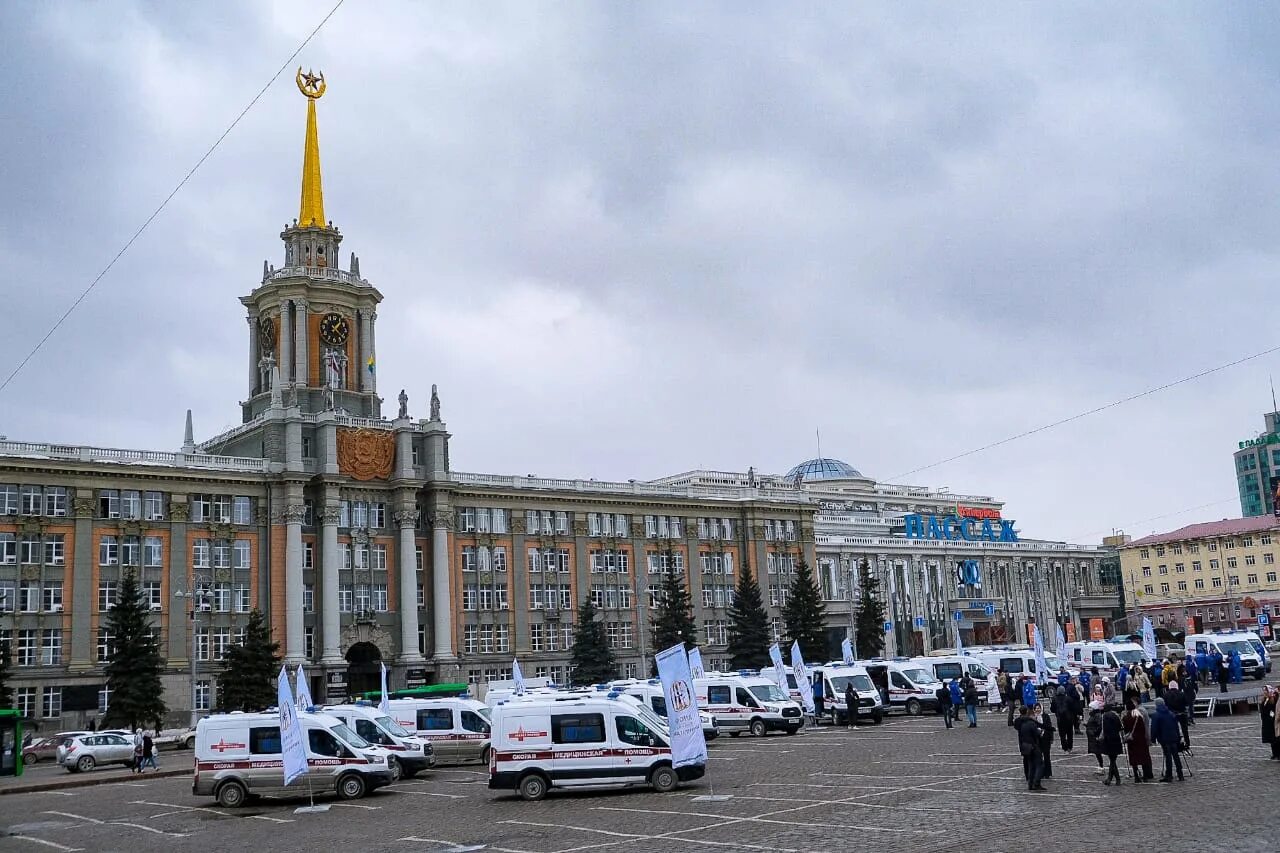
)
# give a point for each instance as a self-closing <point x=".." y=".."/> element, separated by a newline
<point x="404" y="404"/>
<point x="435" y="404"/>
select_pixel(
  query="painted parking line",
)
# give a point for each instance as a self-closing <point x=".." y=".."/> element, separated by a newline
<point x="98" y="822"/>
<point x="76" y="816"/>
<point x="896" y="830"/>
<point x="451" y="847"/>
<point x="355" y="806"/>
<point x="52" y="844"/>
<point x="629" y="838"/>
<point x="177" y="808"/>
<point x="423" y="794"/>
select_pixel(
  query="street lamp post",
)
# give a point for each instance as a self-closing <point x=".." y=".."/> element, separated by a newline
<point x="198" y="595"/>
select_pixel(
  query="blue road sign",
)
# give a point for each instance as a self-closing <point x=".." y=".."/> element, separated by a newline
<point x="920" y="622"/>
<point x="989" y="610"/>
<point x="888" y="626"/>
<point x="959" y="615"/>
<point x="1264" y="619"/>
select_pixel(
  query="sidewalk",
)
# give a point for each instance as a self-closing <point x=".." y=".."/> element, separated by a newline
<point x="33" y="781"/>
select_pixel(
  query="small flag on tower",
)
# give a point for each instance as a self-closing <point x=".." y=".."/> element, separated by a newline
<point x="369" y="364"/>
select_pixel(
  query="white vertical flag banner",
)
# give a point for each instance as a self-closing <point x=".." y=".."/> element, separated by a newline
<point x="1042" y="665"/>
<point x="1062" y="640"/>
<point x="293" y="752"/>
<point x="846" y="651"/>
<point x="304" y="701"/>
<point x="959" y="641"/>
<point x="517" y="676"/>
<point x="695" y="663"/>
<point x="801" y="672"/>
<point x="779" y="668"/>
<point x="385" y="704"/>
<point x="688" y="746"/>
<point x="1148" y="639"/>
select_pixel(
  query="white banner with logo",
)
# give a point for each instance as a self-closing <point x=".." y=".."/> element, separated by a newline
<point x="1148" y="639"/>
<point x="517" y="676"/>
<point x="303" y="692"/>
<point x="1061" y="638"/>
<point x="688" y="746"/>
<point x="293" y="752"/>
<point x="1042" y="665"/>
<point x="801" y="672"/>
<point x="779" y="669"/>
<point x="385" y="704"/>
<point x="695" y="663"/>
<point x="846" y="651"/>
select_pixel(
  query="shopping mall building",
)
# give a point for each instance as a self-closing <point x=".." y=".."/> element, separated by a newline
<point x="354" y="535"/>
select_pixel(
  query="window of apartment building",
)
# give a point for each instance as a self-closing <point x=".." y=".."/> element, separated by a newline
<point x="546" y="522"/>
<point x="1149" y="589"/>
<point x="1217" y="583"/>
<point x="1251" y="579"/>
<point x="665" y="563"/>
<point x="1193" y="548"/>
<point x="1196" y="566"/>
<point x="663" y="527"/>
<point x="1164" y="588"/>
<point x="608" y="524"/>
<point x="1164" y="570"/>
<point x="1234" y="580"/>
<point x="1213" y="564"/>
<point x="1271" y="577"/>
<point x="1213" y="546"/>
<point x="1199" y="583"/>
<point x="1249" y="559"/>
<point x="715" y="528"/>
<point x="1180" y="568"/>
<point x="1177" y="549"/>
<point x="1182" y="586"/>
<point x="1247" y="541"/>
<point x="1144" y="553"/>
<point x="1159" y="550"/>
<point x="1229" y="544"/>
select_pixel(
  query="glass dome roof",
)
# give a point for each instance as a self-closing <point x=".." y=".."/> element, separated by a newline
<point x="824" y="469"/>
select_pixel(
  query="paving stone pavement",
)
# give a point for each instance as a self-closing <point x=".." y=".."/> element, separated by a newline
<point x="908" y="785"/>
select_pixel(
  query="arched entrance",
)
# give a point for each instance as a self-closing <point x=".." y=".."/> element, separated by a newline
<point x="363" y="670"/>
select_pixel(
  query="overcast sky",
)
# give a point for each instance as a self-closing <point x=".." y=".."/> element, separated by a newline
<point x="628" y="240"/>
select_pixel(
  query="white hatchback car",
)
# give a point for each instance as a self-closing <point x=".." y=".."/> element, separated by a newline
<point x="82" y="753"/>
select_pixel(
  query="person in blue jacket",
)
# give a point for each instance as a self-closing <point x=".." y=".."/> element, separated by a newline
<point x="1122" y="677"/>
<point x="1086" y="682"/>
<point x="1237" y="668"/>
<point x="1029" y="699"/>
<point x="1063" y="676"/>
<point x="957" y="699"/>
<point x="1202" y="665"/>
<point x="1165" y="731"/>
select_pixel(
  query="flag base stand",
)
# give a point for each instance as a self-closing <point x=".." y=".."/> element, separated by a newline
<point x="311" y="809"/>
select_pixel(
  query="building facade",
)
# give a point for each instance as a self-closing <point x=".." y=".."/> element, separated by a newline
<point x="355" y="537"/>
<point x="1257" y="463"/>
<point x="1217" y="574"/>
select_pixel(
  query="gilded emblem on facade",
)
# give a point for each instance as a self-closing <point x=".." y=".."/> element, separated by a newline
<point x="366" y="454"/>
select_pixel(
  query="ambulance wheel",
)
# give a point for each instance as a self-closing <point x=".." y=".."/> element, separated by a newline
<point x="397" y="771"/>
<point x="877" y="718"/>
<point x="734" y="734"/>
<point x="532" y="787"/>
<point x="484" y="756"/>
<point x="792" y="729"/>
<point x="914" y="708"/>
<point x="351" y="787"/>
<point x="758" y="728"/>
<point x="231" y="795"/>
<point x="664" y="779"/>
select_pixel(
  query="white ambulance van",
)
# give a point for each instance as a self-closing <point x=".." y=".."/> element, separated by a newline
<point x="1020" y="660"/>
<point x="837" y="676"/>
<point x="578" y="741"/>
<point x="1226" y="642"/>
<point x="1107" y="657"/>
<point x="747" y="702"/>
<point x="456" y="728"/>
<point x="903" y="685"/>
<point x="237" y="757"/>
<point x="946" y="667"/>
<point x="650" y="693"/>
<point x="409" y="755"/>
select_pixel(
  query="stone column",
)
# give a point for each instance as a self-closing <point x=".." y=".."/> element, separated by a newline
<point x="295" y="636"/>
<point x="330" y="562"/>
<point x="300" y="336"/>
<point x="373" y="351"/>
<point x="179" y="578"/>
<point x="83" y="592"/>
<point x="442" y="626"/>
<point x="286" y="342"/>
<point x="408" y="520"/>
<point x="254" y="345"/>
<point x="362" y="319"/>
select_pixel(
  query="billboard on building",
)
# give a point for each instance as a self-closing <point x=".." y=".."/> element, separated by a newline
<point x="1096" y="630"/>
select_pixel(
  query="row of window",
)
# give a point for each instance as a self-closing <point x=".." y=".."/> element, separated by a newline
<point x="1234" y="580"/>
<point x="33" y="500"/>
<point x="1194" y="547"/>
<point x="37" y="647"/>
<point x="550" y="522"/>
<point x="49" y="550"/>
<point x="550" y="638"/>
<point x="31" y="597"/>
<point x="358" y="556"/>
<point x="486" y="639"/>
<point x="1268" y="559"/>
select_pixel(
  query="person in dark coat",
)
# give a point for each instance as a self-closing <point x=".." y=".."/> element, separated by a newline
<point x="1041" y="715"/>
<point x="944" y="703"/>
<point x="969" y="691"/>
<point x="1077" y="703"/>
<point x="1093" y="731"/>
<point x="1060" y="707"/>
<point x="1221" y="671"/>
<point x="1029" y="733"/>
<point x="1164" y="731"/>
<point x="1267" y="710"/>
<point x="1177" y="704"/>
<point x="851" y="705"/>
<point x="1135" y="735"/>
<point x="1190" y="687"/>
<point x="1112" y="744"/>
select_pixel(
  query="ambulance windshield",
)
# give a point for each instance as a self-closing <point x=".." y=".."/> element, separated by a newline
<point x="349" y="737"/>
<point x="391" y="726"/>
<point x="769" y="693"/>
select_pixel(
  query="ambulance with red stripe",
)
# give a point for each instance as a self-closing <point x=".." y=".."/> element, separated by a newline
<point x="238" y="757"/>
<point x="746" y="702"/>
<point x="577" y="741"/>
<point x="408" y="755"/>
<point x="456" y="728"/>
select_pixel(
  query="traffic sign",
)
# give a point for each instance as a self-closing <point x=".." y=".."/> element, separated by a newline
<point x="959" y="615"/>
<point x="888" y="626"/>
<point x="1264" y="619"/>
<point x="920" y="622"/>
<point x="989" y="610"/>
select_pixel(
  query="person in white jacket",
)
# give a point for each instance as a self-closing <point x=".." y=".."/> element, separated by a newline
<point x="994" y="699"/>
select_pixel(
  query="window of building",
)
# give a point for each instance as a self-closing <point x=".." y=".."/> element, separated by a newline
<point x="1149" y="589"/>
<point x="105" y="640"/>
<point x="344" y="598"/>
<point x="1164" y="570"/>
<point x="240" y="554"/>
<point x="1213" y="564"/>
<point x="153" y="506"/>
<point x="28" y="596"/>
<point x="1182" y="586"/>
<point x="152" y="595"/>
<point x="1195" y="565"/>
<point x="51" y="702"/>
<point x="1251" y="578"/>
<point x="25" y="701"/>
<point x="1180" y="568"/>
<point x="240" y="599"/>
<point x="1217" y="583"/>
<point x="663" y="527"/>
<point x="106" y="595"/>
<point x="51" y="597"/>
<point x="378" y="557"/>
<point x="1159" y="550"/>
<point x="241" y="510"/>
<point x="308" y="598"/>
<point x="8" y="549"/>
<point x="1164" y="588"/>
<point x="1199" y="583"/>
<point x="1271" y="577"/>
<point x="203" y="694"/>
<point x="51" y="647"/>
<point x="1234" y="580"/>
<point x="1144" y="554"/>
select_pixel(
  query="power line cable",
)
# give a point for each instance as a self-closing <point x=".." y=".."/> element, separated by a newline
<point x="168" y="198"/>
<point x="1079" y="415"/>
<point x="1080" y="536"/>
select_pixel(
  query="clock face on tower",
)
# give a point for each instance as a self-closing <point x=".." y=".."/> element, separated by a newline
<point x="334" y="330"/>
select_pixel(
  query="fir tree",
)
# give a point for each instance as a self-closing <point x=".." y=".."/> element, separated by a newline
<point x="870" y="622"/>
<point x="591" y="658"/>
<point x="673" y="617"/>
<point x="748" y="624"/>
<point x="805" y="615"/>
<point x="247" y="681"/>
<point x="134" y="667"/>
<point x="6" y="661"/>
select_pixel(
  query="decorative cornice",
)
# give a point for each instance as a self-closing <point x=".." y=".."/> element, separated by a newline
<point x="407" y="517"/>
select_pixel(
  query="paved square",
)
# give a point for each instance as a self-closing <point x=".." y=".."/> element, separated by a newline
<point x="908" y="785"/>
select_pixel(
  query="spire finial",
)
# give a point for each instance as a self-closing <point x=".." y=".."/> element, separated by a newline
<point x="188" y="436"/>
<point x="311" y="211"/>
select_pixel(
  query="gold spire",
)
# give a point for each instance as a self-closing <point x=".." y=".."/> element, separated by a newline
<point x="311" y="211"/>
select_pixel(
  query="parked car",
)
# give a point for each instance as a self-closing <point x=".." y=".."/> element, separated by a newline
<point x="83" y="752"/>
<point x="41" y="749"/>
